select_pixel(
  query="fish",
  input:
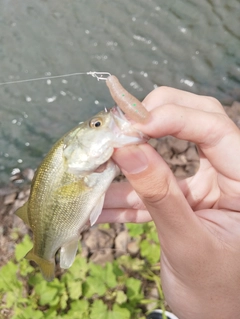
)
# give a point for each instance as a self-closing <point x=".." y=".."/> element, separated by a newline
<point x="69" y="186"/>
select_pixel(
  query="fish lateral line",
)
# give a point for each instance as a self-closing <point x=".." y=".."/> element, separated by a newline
<point x="98" y="75"/>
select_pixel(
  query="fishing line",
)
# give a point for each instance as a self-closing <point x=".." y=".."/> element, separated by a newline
<point x="98" y="75"/>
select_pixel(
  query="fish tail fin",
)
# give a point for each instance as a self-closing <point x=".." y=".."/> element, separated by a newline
<point x="47" y="267"/>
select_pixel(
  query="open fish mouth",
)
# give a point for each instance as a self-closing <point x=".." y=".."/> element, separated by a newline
<point x="123" y="129"/>
<point x="116" y="111"/>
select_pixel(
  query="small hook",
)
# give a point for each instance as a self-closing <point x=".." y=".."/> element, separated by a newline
<point x="99" y="75"/>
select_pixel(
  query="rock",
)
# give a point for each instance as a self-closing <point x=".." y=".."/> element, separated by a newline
<point x="133" y="248"/>
<point x="3" y="210"/>
<point x="96" y="239"/>
<point x="154" y="293"/>
<point x="180" y="172"/>
<point x="121" y="242"/>
<point x="91" y="239"/>
<point x="7" y="190"/>
<point x="178" y="146"/>
<point x="117" y="227"/>
<point x="192" y="168"/>
<point x="84" y="252"/>
<point x="21" y="195"/>
<point x="102" y="256"/>
<point x="106" y="238"/>
<point x="234" y="112"/>
<point x="177" y="160"/>
<point x="18" y="203"/>
<point x="28" y="174"/>
<point x="192" y="154"/>
<point x="27" y="192"/>
<point x="153" y="142"/>
<point x="9" y="199"/>
<point x="163" y="149"/>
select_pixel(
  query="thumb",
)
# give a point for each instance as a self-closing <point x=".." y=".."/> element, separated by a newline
<point x="155" y="184"/>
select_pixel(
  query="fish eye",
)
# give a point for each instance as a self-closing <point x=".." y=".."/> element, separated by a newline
<point x="95" y="123"/>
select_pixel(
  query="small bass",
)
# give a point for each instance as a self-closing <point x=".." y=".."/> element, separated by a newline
<point x="69" y="186"/>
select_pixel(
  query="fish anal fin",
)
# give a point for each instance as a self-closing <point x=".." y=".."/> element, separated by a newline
<point x="68" y="253"/>
<point x="47" y="267"/>
<point x="22" y="212"/>
<point x="97" y="210"/>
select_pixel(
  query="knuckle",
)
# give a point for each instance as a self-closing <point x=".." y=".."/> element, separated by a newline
<point x="215" y="101"/>
<point x="156" y="192"/>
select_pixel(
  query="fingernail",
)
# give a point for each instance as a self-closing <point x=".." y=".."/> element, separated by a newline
<point x="131" y="160"/>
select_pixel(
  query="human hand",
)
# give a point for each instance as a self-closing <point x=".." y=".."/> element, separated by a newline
<point x="197" y="219"/>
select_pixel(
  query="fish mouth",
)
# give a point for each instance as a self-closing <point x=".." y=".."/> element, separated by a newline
<point x="117" y="112"/>
<point x="123" y="129"/>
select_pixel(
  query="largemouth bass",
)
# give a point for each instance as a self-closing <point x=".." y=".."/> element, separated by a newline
<point x="69" y="186"/>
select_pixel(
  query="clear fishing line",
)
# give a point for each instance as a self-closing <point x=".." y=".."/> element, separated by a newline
<point x="98" y="75"/>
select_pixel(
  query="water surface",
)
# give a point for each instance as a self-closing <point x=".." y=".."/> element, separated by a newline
<point x="186" y="44"/>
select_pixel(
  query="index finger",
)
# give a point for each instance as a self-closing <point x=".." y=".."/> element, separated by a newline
<point x="167" y="95"/>
<point x="203" y="122"/>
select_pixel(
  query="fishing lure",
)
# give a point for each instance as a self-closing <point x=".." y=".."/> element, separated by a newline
<point x="127" y="102"/>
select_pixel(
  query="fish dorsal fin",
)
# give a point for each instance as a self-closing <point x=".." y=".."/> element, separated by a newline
<point x="22" y="212"/>
<point x="68" y="253"/>
<point x="47" y="267"/>
<point x="97" y="210"/>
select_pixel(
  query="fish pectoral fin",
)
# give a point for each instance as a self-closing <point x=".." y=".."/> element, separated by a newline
<point x="72" y="189"/>
<point x="68" y="253"/>
<point x="47" y="267"/>
<point x="97" y="210"/>
<point x="22" y="213"/>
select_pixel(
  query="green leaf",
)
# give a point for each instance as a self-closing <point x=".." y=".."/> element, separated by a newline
<point x="116" y="269"/>
<point x="8" y="278"/>
<point x="120" y="297"/>
<point x="47" y="293"/>
<point x="150" y="251"/>
<point x="134" y="264"/>
<point x="135" y="230"/>
<point x="105" y="274"/>
<point x="49" y="297"/>
<point x="109" y="276"/>
<point x="11" y="298"/>
<point x="79" y="268"/>
<point x="92" y="286"/>
<point x="79" y="309"/>
<point x="50" y="314"/>
<point x="35" y="279"/>
<point x="99" y="310"/>
<point x="25" y="268"/>
<point x="63" y="300"/>
<point x="119" y="313"/>
<point x="28" y="313"/>
<point x="75" y="289"/>
<point x="152" y="235"/>
<point x="134" y="292"/>
<point x="23" y="247"/>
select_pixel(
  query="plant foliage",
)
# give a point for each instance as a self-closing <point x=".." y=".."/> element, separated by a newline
<point x="118" y="290"/>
